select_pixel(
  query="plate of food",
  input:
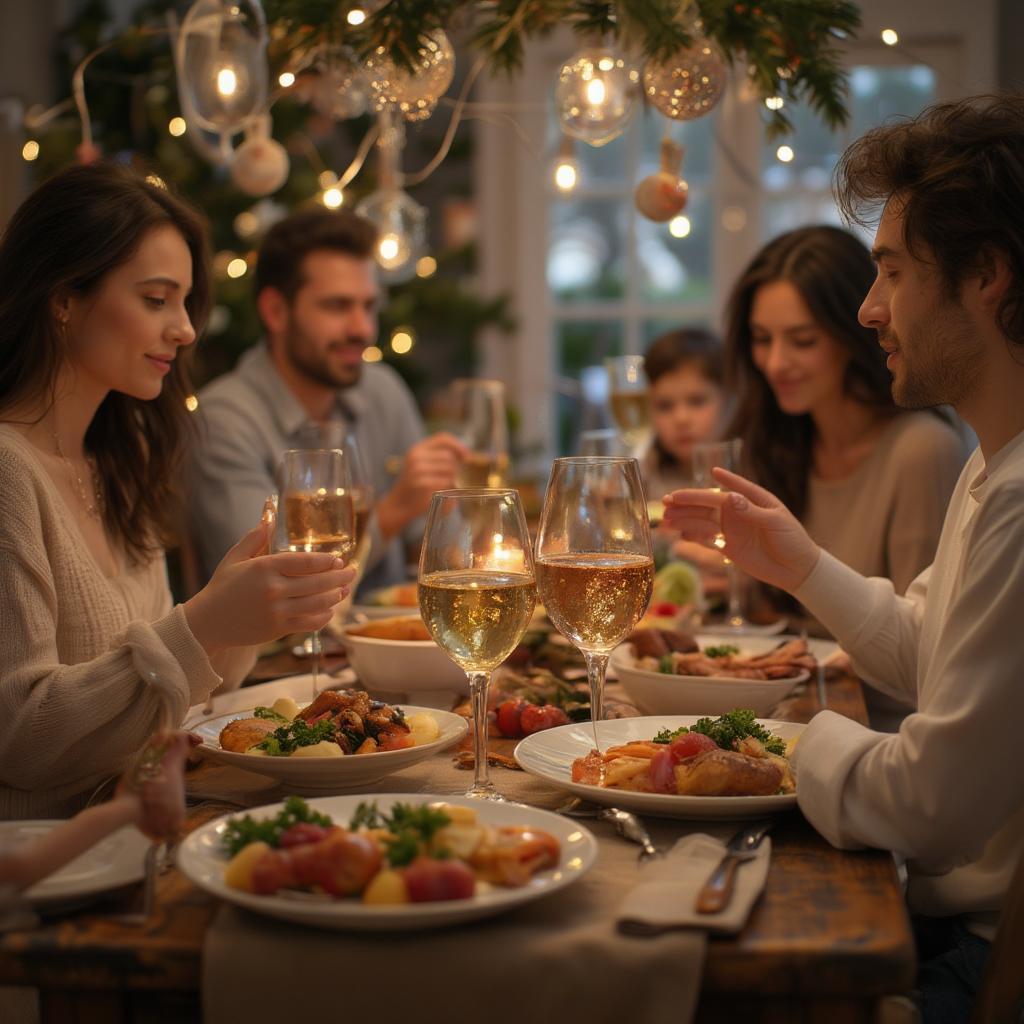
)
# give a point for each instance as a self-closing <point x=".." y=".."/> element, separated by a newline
<point x="669" y="672"/>
<point x="116" y="860"/>
<point x="395" y="862"/>
<point x="398" y="599"/>
<point x="344" y="740"/>
<point x="678" y="766"/>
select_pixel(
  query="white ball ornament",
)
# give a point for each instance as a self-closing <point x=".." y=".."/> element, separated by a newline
<point x="260" y="166"/>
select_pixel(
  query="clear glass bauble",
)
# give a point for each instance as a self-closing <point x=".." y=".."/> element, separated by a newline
<point x="687" y="85"/>
<point x="595" y="96"/>
<point x="413" y="94"/>
<point x="401" y="231"/>
<point x="337" y="85"/>
<point x="222" y="63"/>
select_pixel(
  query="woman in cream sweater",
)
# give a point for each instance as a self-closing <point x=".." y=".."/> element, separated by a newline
<point x="103" y="286"/>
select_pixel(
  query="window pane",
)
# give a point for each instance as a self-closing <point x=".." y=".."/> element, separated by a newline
<point x="598" y="165"/>
<point x="587" y="250"/>
<point x="652" y="329"/>
<point x="672" y="269"/>
<point x="582" y="383"/>
<point x="784" y="213"/>
<point x="877" y="93"/>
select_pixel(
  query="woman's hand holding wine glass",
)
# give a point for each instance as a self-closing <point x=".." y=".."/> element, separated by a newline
<point x="477" y="594"/>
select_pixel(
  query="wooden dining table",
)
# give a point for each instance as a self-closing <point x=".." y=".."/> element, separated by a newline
<point x="828" y="939"/>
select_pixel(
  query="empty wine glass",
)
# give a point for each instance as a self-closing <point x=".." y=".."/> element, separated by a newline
<point x="594" y="563"/>
<point x="629" y="400"/>
<point x="477" y="593"/>
<point x="479" y="421"/>
<point x="727" y="455"/>
<point x="316" y="511"/>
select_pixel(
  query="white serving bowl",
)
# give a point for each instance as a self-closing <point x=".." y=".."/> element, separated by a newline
<point x="657" y="693"/>
<point x="405" y="671"/>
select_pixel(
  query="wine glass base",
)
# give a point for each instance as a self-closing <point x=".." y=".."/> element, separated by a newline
<point x="485" y="793"/>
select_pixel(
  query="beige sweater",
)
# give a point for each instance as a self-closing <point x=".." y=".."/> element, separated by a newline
<point x="73" y="642"/>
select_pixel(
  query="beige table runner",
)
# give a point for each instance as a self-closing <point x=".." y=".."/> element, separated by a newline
<point x="559" y="959"/>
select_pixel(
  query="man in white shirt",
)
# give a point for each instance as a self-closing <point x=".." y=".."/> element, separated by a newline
<point x="317" y="295"/>
<point x="947" y="792"/>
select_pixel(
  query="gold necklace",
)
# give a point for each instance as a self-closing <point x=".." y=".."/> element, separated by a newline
<point x="93" y="506"/>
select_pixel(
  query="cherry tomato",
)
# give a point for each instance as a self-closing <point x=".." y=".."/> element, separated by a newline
<point x="536" y="719"/>
<point x="427" y="879"/>
<point x="690" y="744"/>
<point x="303" y="832"/>
<point x="665" y="609"/>
<point x="508" y="718"/>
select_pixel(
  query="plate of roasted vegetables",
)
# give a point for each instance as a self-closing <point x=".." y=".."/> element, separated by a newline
<point x="343" y="740"/>
<point x="732" y="766"/>
<point x="387" y="862"/>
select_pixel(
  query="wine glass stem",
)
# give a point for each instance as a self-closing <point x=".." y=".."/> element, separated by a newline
<point x="735" y="607"/>
<point x="478" y="682"/>
<point x="316" y="663"/>
<point x="596" y="666"/>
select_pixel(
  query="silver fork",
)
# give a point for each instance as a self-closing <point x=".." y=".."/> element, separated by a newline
<point x="627" y="824"/>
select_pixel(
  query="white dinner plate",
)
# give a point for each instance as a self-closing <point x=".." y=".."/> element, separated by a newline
<point x="748" y="629"/>
<point x="114" y="861"/>
<point x="751" y="646"/>
<point x="361" y="612"/>
<point x="202" y="858"/>
<point x="328" y="774"/>
<point x="550" y="754"/>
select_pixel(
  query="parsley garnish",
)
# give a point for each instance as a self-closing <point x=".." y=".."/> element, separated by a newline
<point x="270" y="714"/>
<point x="721" y="651"/>
<point x="240" y="832"/>
<point x="728" y="730"/>
<point x="287" y="738"/>
<point x="412" y="827"/>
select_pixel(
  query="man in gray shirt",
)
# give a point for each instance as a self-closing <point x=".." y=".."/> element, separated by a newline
<point x="317" y="295"/>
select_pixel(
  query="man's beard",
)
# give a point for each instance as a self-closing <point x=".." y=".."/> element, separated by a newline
<point x="940" y="368"/>
<point x="318" y="368"/>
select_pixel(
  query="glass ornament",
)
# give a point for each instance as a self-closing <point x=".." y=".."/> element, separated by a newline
<point x="413" y="94"/>
<point x="221" y="62"/>
<point x="337" y="85"/>
<point x="688" y="85"/>
<point x="401" y="231"/>
<point x="260" y="164"/>
<point x="595" y="96"/>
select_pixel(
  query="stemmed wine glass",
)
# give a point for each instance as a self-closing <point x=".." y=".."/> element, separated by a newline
<point x="594" y="562"/>
<point x="479" y="421"/>
<point x="727" y="455"/>
<point x="316" y="511"/>
<point x="477" y="593"/>
<point x="629" y="400"/>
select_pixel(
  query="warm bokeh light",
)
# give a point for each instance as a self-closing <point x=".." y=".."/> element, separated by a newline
<point x="566" y="175"/>
<point x="286" y="79"/>
<point x="332" y="198"/>
<point x="785" y="154"/>
<point x="246" y="224"/>
<point x="679" y="227"/>
<point x="155" y="179"/>
<point x="237" y="267"/>
<point x="30" y="151"/>
<point x="596" y="92"/>
<point x="191" y="403"/>
<point x="388" y="247"/>
<point x="372" y="354"/>
<point x="426" y="266"/>
<point x="890" y="36"/>
<point x="327" y="179"/>
<point x="227" y="81"/>
<point x="774" y="102"/>
<point x="356" y="16"/>
<point x="401" y="340"/>
<point x="177" y="126"/>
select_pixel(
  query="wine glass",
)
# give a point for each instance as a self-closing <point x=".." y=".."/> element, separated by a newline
<point x="479" y="421"/>
<point x="630" y="404"/>
<point x="727" y="455"/>
<point x="594" y="562"/>
<point x="316" y="511"/>
<point x="477" y="593"/>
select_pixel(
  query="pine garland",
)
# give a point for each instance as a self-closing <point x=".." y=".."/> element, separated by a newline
<point x="790" y="46"/>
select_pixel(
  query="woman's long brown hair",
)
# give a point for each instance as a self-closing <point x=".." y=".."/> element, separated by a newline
<point x="66" y="237"/>
<point x="833" y="271"/>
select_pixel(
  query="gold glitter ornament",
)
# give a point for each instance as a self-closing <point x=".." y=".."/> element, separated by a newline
<point x="413" y="94"/>
<point x="687" y="85"/>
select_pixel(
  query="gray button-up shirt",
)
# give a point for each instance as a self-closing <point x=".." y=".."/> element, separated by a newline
<point x="248" y="417"/>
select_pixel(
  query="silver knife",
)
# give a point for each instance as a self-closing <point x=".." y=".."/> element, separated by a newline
<point x="716" y="892"/>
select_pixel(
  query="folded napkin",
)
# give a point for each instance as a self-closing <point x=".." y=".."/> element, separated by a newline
<point x="665" y="897"/>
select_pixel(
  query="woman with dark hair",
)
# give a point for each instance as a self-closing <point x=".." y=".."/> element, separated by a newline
<point x="103" y="286"/>
<point x="869" y="481"/>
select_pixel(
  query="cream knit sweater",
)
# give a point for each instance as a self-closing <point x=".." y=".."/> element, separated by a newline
<point x="74" y="706"/>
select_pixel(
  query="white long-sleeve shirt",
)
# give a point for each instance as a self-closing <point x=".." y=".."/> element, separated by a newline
<point x="947" y="791"/>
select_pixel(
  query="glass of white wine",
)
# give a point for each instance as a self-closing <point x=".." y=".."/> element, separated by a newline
<point x="629" y="400"/>
<point x="316" y="511"/>
<point x="728" y="455"/>
<point x="479" y="421"/>
<point x="477" y="593"/>
<point x="594" y="563"/>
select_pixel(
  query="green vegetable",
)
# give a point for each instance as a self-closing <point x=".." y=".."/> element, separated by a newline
<point x="676" y="582"/>
<point x="413" y="827"/>
<point x="240" y="832"/>
<point x="721" y="650"/>
<point x="667" y="665"/>
<point x="293" y="735"/>
<point x="728" y="730"/>
<point x="270" y="714"/>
